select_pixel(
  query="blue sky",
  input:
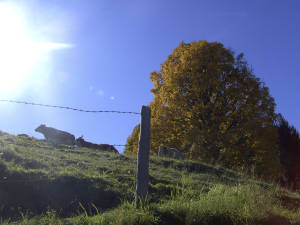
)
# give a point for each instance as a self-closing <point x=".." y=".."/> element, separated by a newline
<point x="98" y="55"/>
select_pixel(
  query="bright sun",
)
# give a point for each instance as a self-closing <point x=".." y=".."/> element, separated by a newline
<point x="18" y="51"/>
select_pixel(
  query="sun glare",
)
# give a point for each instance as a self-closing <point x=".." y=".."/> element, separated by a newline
<point x="17" y="49"/>
<point x="20" y="50"/>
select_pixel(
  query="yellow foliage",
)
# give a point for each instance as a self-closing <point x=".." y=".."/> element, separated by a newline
<point x="209" y="104"/>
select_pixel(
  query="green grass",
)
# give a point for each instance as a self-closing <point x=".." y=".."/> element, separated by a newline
<point x="40" y="184"/>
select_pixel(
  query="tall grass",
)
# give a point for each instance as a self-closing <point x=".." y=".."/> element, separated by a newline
<point x="219" y="205"/>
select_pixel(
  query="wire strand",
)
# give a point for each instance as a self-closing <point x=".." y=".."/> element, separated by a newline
<point x="66" y="107"/>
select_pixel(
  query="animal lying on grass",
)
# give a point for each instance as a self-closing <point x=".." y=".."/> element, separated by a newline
<point x="80" y="142"/>
<point x="163" y="151"/>
<point x="56" y="136"/>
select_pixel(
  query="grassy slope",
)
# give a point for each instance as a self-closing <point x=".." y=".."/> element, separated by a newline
<point x="67" y="185"/>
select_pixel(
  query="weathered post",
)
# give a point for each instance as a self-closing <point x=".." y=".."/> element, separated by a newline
<point x="142" y="177"/>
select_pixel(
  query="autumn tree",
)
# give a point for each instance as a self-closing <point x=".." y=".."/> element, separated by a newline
<point x="289" y="151"/>
<point x="209" y="104"/>
<point x="132" y="141"/>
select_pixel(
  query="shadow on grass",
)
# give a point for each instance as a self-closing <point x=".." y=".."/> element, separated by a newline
<point x="33" y="195"/>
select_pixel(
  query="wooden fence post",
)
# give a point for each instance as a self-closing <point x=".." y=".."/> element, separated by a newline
<point x="142" y="177"/>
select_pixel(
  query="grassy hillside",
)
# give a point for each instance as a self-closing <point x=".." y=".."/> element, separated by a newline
<point x="40" y="184"/>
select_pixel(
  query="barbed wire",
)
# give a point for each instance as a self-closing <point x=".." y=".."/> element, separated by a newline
<point x="65" y="107"/>
<point x="83" y="110"/>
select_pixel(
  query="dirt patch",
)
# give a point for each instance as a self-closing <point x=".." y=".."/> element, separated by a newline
<point x="290" y="203"/>
<point x="273" y="220"/>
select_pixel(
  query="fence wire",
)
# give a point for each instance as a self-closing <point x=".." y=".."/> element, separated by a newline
<point x="66" y="107"/>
